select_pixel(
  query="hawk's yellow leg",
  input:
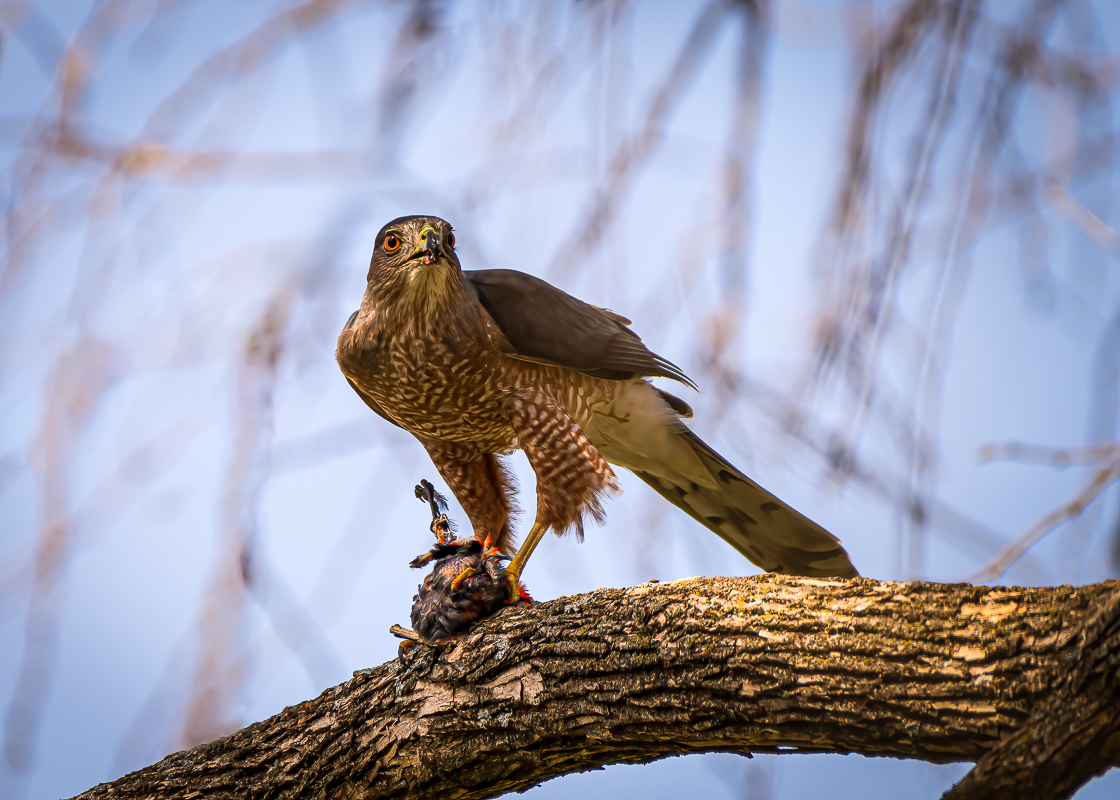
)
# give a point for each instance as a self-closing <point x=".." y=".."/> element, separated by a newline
<point x="513" y="569"/>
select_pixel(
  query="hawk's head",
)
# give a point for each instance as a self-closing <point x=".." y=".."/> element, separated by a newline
<point x="414" y="260"/>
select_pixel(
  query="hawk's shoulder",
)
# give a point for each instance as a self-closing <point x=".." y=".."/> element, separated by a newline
<point x="547" y="325"/>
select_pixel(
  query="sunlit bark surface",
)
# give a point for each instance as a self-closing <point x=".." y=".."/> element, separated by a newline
<point x="1024" y="680"/>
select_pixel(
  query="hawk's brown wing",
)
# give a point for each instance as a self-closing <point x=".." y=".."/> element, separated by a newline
<point x="548" y="326"/>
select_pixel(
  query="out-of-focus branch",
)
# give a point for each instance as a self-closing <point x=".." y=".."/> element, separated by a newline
<point x="632" y="155"/>
<point x="1101" y="480"/>
<point x="78" y="382"/>
<point x="727" y="321"/>
<point x="1093" y="226"/>
<point x="932" y="51"/>
<point x="1058" y="457"/>
<point x="219" y="672"/>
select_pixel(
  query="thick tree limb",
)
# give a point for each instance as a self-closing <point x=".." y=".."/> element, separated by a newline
<point x="1074" y="734"/>
<point x="932" y="671"/>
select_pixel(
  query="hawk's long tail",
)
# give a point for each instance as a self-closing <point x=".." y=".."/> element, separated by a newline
<point x="771" y="534"/>
<point x="645" y="436"/>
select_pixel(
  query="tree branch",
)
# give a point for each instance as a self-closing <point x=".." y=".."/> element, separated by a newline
<point x="940" y="672"/>
<point x="1074" y="734"/>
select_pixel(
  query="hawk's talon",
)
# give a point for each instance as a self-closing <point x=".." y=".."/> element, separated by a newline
<point x="513" y="569"/>
<point x="518" y="594"/>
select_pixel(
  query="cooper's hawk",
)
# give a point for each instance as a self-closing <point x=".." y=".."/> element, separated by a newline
<point x="478" y="363"/>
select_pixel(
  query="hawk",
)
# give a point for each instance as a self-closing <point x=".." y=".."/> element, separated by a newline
<point x="478" y="363"/>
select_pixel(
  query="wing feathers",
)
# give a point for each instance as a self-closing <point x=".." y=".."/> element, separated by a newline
<point x="548" y="326"/>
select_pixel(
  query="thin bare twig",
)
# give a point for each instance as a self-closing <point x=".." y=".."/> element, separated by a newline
<point x="1093" y="226"/>
<point x="633" y="154"/>
<point x="1101" y="480"/>
<point x="1058" y="457"/>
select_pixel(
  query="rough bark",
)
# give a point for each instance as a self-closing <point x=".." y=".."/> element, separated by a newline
<point x="1074" y="733"/>
<point x="1023" y="680"/>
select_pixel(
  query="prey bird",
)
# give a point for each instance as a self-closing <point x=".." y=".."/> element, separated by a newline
<point x="467" y="582"/>
<point x="478" y="363"/>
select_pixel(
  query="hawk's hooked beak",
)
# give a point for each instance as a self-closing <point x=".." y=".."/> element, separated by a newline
<point x="431" y="248"/>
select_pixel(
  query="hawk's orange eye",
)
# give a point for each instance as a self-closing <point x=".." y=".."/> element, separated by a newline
<point x="392" y="243"/>
<point x="450" y="240"/>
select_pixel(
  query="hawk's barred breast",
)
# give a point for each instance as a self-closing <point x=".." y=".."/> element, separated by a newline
<point x="438" y="389"/>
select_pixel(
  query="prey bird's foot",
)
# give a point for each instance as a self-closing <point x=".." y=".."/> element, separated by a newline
<point x="440" y="525"/>
<point x="427" y="493"/>
<point x="457" y="581"/>
<point x="441" y="528"/>
<point x="411" y="639"/>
